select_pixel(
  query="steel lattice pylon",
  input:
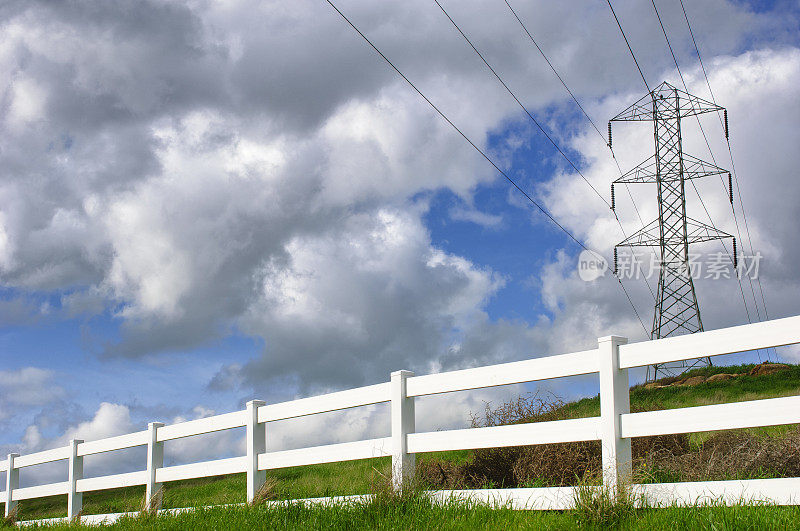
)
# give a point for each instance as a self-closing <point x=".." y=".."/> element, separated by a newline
<point x="676" y="308"/>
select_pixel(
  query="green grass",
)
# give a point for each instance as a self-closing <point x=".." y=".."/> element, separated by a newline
<point x="360" y="477"/>
<point x="313" y="481"/>
<point x="418" y="513"/>
<point x="784" y="383"/>
<point x="333" y="479"/>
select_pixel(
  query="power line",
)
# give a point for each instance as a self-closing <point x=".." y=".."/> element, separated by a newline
<point x="478" y="149"/>
<point x="535" y="121"/>
<point x="629" y="46"/>
<point x="554" y="70"/>
<point x="578" y="103"/>
<point x="702" y="66"/>
<point x="747" y="227"/>
<point x="730" y="152"/>
<point x="485" y="62"/>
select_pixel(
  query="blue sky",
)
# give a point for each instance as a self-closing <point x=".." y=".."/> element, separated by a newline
<point x="198" y="211"/>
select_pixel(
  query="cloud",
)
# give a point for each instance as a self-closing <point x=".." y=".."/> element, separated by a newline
<point x="110" y="420"/>
<point x="489" y="221"/>
<point x="441" y="412"/>
<point x="217" y="445"/>
<point x="182" y="136"/>
<point x="339" y="310"/>
<point x="27" y="388"/>
<point x="790" y="353"/>
<point x="19" y="311"/>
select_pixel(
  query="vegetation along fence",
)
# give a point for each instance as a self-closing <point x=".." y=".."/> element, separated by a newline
<point x="614" y="428"/>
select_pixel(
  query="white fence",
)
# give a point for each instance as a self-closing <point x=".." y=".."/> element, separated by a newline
<point x="614" y="427"/>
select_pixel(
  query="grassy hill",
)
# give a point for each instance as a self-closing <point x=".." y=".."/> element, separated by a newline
<point x="779" y="445"/>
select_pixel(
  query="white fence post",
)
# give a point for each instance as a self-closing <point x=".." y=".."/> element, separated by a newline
<point x="402" y="424"/>
<point x="12" y="482"/>
<point x="155" y="460"/>
<point x="256" y="444"/>
<point x="614" y="401"/>
<point x="74" y="498"/>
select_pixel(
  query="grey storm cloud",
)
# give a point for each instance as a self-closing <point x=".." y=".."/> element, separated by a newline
<point x="198" y="168"/>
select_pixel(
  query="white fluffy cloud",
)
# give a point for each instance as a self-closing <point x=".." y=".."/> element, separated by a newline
<point x="110" y="420"/>
<point x="338" y="310"/>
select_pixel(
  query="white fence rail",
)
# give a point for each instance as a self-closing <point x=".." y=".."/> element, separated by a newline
<point x="615" y="427"/>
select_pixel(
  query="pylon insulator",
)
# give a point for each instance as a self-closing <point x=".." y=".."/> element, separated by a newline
<point x="735" y="255"/>
<point x="613" y="200"/>
<point x="609" y="134"/>
<point x="730" y="187"/>
<point x="726" y="123"/>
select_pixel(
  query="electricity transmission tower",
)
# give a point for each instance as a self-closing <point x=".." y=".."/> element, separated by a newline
<point x="676" y="308"/>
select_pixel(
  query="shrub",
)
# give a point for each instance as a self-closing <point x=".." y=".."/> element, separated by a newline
<point x="546" y="465"/>
<point x="735" y="454"/>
